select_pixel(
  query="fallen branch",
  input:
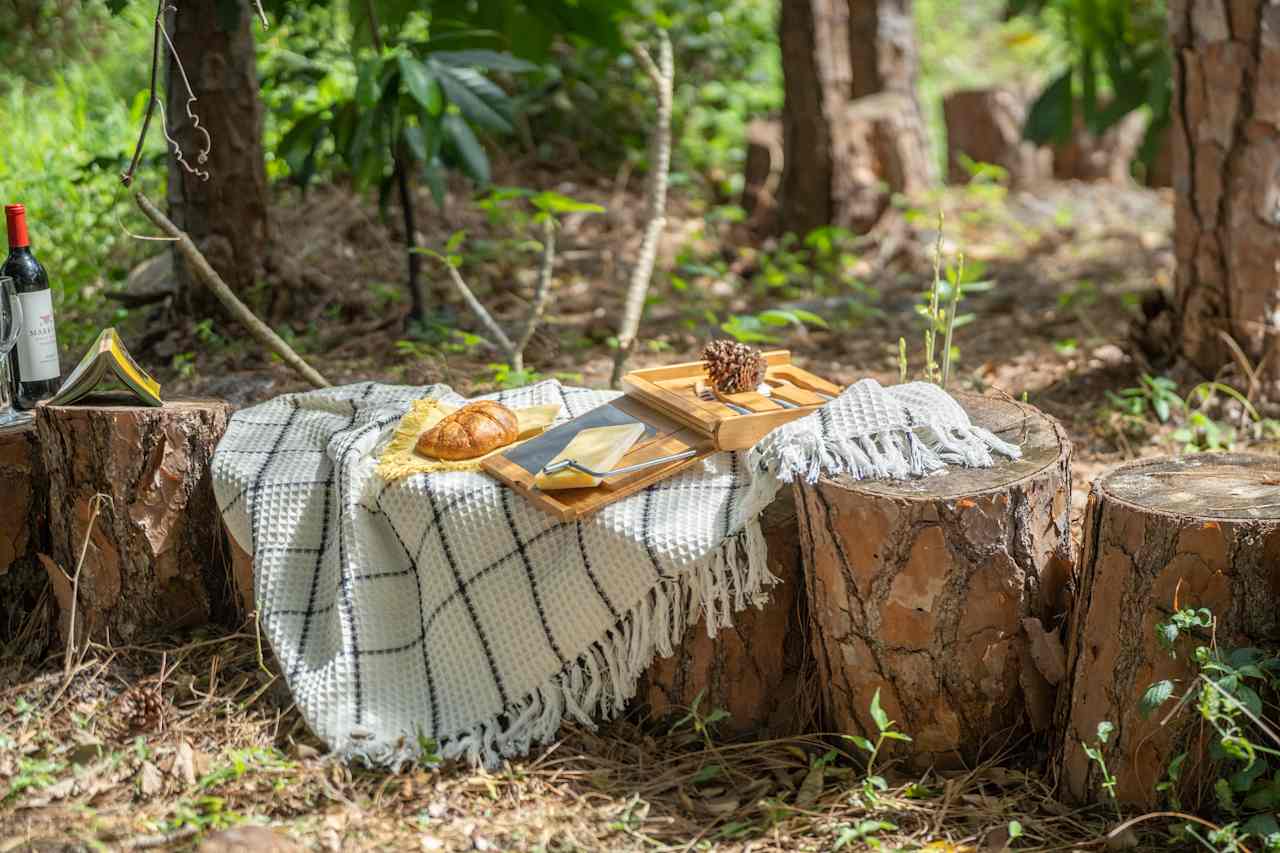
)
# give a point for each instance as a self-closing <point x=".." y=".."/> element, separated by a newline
<point x="209" y="276"/>
<point x="662" y="75"/>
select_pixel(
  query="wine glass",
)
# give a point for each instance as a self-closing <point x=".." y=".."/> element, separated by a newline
<point x="10" y="328"/>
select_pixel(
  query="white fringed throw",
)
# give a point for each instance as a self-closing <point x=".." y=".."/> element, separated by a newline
<point x="443" y="606"/>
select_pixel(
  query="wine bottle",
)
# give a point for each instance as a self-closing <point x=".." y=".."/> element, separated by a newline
<point x="33" y="363"/>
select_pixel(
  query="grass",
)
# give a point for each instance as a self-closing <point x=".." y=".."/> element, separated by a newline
<point x="231" y="750"/>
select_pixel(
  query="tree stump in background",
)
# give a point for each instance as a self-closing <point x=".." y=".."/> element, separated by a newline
<point x="760" y="670"/>
<point x="762" y="175"/>
<point x="921" y="590"/>
<point x="156" y="558"/>
<point x="1190" y="532"/>
<point x="1104" y="158"/>
<point x="24" y="533"/>
<point x="985" y="125"/>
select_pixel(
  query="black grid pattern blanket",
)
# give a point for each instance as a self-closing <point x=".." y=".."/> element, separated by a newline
<point x="445" y="607"/>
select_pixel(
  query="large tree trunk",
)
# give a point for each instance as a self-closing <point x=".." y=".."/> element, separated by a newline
<point x="1226" y="114"/>
<point x="226" y="215"/>
<point x="825" y="139"/>
<point x="936" y="592"/>
<point x="1159" y="535"/>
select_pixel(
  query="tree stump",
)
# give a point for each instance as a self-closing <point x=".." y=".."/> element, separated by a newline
<point x="985" y="125"/>
<point x="921" y="590"/>
<point x="762" y="174"/>
<point x="760" y="671"/>
<point x="1189" y="532"/>
<point x="1105" y="158"/>
<point x="156" y="558"/>
<point x="24" y="533"/>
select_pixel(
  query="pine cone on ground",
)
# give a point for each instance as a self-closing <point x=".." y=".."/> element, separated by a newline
<point x="733" y="367"/>
<point x="142" y="708"/>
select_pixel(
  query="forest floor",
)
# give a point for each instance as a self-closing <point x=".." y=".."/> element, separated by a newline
<point x="1069" y="263"/>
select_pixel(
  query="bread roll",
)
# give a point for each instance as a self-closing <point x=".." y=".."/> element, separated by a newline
<point x="473" y="430"/>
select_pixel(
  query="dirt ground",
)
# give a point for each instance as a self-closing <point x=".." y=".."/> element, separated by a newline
<point x="80" y="768"/>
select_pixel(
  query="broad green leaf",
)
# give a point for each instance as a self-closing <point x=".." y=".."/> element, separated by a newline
<point x="463" y="88"/>
<point x="455" y="240"/>
<point x="1015" y="830"/>
<point x="367" y="83"/>
<point x="554" y="202"/>
<point x="416" y="139"/>
<point x="877" y="713"/>
<point x="862" y="743"/>
<point x="1156" y="695"/>
<point x="1049" y="119"/>
<point x="808" y="317"/>
<point x="472" y="157"/>
<point x="490" y="59"/>
<point x="421" y="84"/>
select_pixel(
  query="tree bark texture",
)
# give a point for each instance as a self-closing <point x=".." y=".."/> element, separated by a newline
<point x="226" y="215"/>
<point x="156" y="557"/>
<point x="24" y="533"/>
<point x="1186" y="532"/>
<point x="830" y="147"/>
<point x="985" y="125"/>
<point x="921" y="590"/>
<point x="1226" y="167"/>
<point x="761" y="670"/>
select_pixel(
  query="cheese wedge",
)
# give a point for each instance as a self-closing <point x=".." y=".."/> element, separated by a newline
<point x="599" y="449"/>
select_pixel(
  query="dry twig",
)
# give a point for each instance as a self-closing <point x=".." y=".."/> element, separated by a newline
<point x="662" y="75"/>
<point x="207" y="274"/>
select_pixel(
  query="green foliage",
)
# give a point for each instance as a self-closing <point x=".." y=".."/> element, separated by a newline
<point x="1155" y="394"/>
<point x="1095" y="754"/>
<point x="1229" y="686"/>
<point x="874" y="783"/>
<point x="939" y="309"/>
<point x="1119" y="62"/>
<point x="702" y="724"/>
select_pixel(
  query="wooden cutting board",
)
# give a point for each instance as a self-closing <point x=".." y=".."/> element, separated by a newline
<point x="663" y="436"/>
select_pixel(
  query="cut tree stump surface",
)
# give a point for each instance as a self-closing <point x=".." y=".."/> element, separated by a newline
<point x="1187" y="532"/>
<point x="920" y="589"/>
<point x="156" y="558"/>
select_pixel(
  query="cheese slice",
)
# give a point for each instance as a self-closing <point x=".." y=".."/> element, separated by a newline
<point x="532" y="420"/>
<point x="599" y="449"/>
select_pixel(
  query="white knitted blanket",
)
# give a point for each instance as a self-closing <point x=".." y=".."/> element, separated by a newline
<point x="445" y="607"/>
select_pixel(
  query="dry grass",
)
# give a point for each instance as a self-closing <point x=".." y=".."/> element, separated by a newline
<point x="230" y="748"/>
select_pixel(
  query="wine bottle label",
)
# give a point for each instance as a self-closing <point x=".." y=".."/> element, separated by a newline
<point x="38" y="343"/>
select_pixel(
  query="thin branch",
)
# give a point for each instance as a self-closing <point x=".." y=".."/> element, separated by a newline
<point x="204" y="272"/>
<point x="262" y="14"/>
<point x="662" y="74"/>
<point x="127" y="177"/>
<point x="480" y="311"/>
<point x="541" y="296"/>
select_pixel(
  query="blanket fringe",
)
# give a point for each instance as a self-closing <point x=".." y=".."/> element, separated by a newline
<point x="601" y="681"/>
<point x="893" y="455"/>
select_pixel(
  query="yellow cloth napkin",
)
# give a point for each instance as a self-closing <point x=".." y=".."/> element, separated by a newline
<point x="400" y="459"/>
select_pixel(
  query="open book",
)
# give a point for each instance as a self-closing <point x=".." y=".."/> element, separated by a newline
<point x="107" y="357"/>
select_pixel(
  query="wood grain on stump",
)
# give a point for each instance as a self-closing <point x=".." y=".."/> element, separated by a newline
<point x="760" y="671"/>
<point x="1194" y="531"/>
<point x="156" y="558"/>
<point x="24" y="533"/>
<point x="920" y="589"/>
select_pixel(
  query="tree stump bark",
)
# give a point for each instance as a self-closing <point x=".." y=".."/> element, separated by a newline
<point x="24" y="533"/>
<point x="985" y="125"/>
<point x="921" y="590"/>
<point x="761" y="670"/>
<point x="156" y="557"/>
<point x="1189" y="532"/>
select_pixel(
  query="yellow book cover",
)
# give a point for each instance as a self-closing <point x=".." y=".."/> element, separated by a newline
<point x="107" y="356"/>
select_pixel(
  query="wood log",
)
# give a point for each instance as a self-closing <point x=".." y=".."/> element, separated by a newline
<point x="921" y="590"/>
<point x="1188" y="532"/>
<point x="156" y="557"/>
<point x="985" y="125"/>
<point x="760" y="671"/>
<point x="24" y="533"/>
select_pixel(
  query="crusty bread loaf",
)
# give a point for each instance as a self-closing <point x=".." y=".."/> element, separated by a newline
<point x="472" y="431"/>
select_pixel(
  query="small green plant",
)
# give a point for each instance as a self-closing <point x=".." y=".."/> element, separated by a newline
<point x="939" y="309"/>
<point x="864" y="831"/>
<point x="505" y="376"/>
<point x="1157" y="395"/>
<point x="702" y="724"/>
<point x="1105" y="728"/>
<point x="874" y="783"/>
<point x="751" y="328"/>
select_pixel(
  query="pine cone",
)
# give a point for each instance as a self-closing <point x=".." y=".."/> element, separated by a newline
<point x="733" y="367"/>
<point x="142" y="708"/>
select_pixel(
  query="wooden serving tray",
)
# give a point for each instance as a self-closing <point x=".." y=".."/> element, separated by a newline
<point x="664" y="436"/>
<point x="673" y="391"/>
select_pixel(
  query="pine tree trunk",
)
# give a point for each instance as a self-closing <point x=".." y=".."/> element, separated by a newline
<point x="933" y="592"/>
<point x="156" y="557"/>
<point x="1226" y="155"/>
<point x="1189" y="532"/>
<point x="226" y="215"/>
<point x="24" y="533"/>
<point x="829" y="152"/>
<point x="761" y="670"/>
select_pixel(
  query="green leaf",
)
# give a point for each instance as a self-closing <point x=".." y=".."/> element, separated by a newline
<point x="877" y="713"/>
<point x="861" y="742"/>
<point x="475" y="98"/>
<point x="455" y="240"/>
<point x="1105" y="728"/>
<point x="706" y="774"/>
<point x="1156" y="695"/>
<point x="1015" y="830"/>
<point x="367" y="83"/>
<point x="491" y="59"/>
<point x="553" y="202"/>
<point x="473" y="159"/>
<point x="808" y="317"/>
<point x="416" y="139"/>
<point x="1049" y="119"/>
<point x="422" y="84"/>
<point x="892" y="735"/>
